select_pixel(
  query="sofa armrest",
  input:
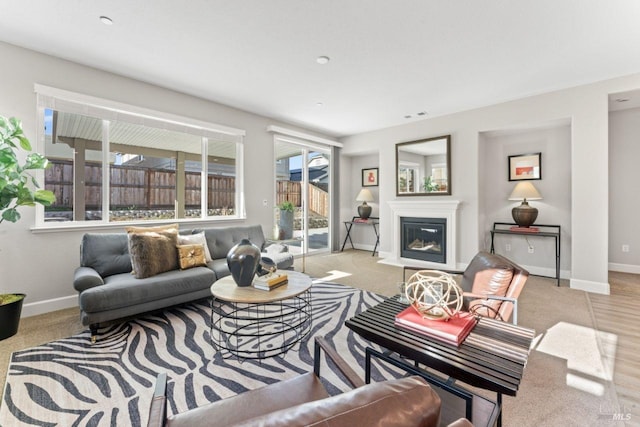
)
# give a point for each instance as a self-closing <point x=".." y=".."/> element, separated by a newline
<point x="85" y="278"/>
<point x="513" y="301"/>
<point x="274" y="248"/>
<point x="404" y="402"/>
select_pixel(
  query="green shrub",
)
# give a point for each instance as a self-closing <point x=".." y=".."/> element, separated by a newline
<point x="286" y="206"/>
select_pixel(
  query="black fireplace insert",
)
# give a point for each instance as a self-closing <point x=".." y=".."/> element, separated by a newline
<point x="424" y="239"/>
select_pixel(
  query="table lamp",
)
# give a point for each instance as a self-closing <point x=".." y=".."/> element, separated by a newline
<point x="524" y="215"/>
<point x="364" y="196"/>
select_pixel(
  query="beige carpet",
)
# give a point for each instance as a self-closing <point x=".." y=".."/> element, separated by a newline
<point x="565" y="383"/>
<point x="567" y="379"/>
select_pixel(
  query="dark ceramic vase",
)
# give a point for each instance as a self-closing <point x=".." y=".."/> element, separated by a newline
<point x="243" y="260"/>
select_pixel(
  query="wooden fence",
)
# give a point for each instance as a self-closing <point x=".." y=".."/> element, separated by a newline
<point x="139" y="188"/>
<point x="289" y="190"/>
<point x="145" y="188"/>
<point x="292" y="191"/>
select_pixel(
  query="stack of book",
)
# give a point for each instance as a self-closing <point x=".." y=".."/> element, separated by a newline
<point x="452" y="331"/>
<point x="270" y="281"/>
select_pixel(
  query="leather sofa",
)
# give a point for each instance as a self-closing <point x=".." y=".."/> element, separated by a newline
<point x="303" y="401"/>
<point x="108" y="290"/>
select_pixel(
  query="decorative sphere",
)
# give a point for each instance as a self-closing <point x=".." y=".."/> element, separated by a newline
<point x="435" y="294"/>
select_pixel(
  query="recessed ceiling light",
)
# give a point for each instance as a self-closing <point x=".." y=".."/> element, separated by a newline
<point x="408" y="116"/>
<point x="323" y="60"/>
<point x="422" y="113"/>
<point x="106" y="20"/>
<point x="319" y="104"/>
<point x="622" y="99"/>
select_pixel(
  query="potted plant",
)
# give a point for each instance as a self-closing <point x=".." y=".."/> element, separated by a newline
<point x="10" y="310"/>
<point x="16" y="184"/>
<point x="429" y="185"/>
<point x="285" y="221"/>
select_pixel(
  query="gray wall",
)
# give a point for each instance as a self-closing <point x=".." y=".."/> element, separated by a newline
<point x="41" y="264"/>
<point x="554" y="187"/>
<point x="363" y="236"/>
<point x="586" y="107"/>
<point x="624" y="190"/>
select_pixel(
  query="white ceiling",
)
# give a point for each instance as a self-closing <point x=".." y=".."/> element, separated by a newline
<point x="389" y="59"/>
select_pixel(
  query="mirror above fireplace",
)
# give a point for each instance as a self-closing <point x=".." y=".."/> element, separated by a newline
<point x="423" y="167"/>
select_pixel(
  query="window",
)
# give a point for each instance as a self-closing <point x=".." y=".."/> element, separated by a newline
<point x="439" y="176"/>
<point x="113" y="164"/>
<point x="408" y="175"/>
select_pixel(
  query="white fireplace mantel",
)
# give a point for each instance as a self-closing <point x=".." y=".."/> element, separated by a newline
<point x="447" y="209"/>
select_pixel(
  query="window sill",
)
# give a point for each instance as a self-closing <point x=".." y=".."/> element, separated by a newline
<point x="56" y="227"/>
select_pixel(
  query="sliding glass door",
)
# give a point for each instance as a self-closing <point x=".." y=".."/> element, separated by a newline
<point x="302" y="178"/>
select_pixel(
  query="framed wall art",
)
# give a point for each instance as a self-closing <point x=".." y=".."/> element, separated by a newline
<point x="370" y="177"/>
<point x="525" y="167"/>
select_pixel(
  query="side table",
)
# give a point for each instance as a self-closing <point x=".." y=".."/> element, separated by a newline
<point x="372" y="221"/>
<point x="250" y="323"/>
<point x="543" y="231"/>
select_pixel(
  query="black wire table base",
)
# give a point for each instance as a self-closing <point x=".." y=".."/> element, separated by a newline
<point x="260" y="330"/>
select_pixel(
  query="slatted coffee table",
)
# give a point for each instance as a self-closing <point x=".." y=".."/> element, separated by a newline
<point x="493" y="357"/>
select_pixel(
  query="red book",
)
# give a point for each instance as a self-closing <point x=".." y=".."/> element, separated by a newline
<point x="525" y="229"/>
<point x="452" y="331"/>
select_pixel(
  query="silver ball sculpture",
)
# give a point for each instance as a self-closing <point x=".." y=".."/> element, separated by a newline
<point x="434" y="294"/>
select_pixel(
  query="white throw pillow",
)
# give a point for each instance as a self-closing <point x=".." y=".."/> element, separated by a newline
<point x="276" y="248"/>
<point x="196" y="239"/>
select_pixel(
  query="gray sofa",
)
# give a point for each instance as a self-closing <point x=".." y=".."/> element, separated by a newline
<point x="108" y="290"/>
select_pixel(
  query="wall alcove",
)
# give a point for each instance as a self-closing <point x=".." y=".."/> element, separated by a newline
<point x="553" y="140"/>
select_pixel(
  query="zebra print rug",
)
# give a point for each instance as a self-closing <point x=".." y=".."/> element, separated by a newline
<point x="71" y="382"/>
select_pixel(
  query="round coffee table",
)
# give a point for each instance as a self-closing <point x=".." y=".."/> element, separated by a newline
<point x="254" y="324"/>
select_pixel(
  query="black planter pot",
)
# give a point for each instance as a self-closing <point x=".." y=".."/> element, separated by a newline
<point x="10" y="317"/>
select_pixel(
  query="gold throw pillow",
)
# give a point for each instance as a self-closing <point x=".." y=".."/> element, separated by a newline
<point x="191" y="256"/>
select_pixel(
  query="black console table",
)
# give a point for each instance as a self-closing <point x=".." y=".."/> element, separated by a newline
<point x="372" y="221"/>
<point x="543" y="231"/>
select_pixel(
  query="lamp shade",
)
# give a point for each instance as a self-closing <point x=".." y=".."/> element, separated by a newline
<point x="524" y="215"/>
<point x="364" y="196"/>
<point x="525" y="191"/>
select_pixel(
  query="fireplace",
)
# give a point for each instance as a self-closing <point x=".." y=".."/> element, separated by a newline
<point x="424" y="239"/>
<point x="440" y="209"/>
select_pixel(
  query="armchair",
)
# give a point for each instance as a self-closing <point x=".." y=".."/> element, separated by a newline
<point x="491" y="285"/>
<point x="303" y="401"/>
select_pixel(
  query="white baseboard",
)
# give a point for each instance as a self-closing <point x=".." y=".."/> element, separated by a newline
<point x="361" y="247"/>
<point x="624" y="268"/>
<point x="384" y="254"/>
<point x="589" y="286"/>
<point x="547" y="272"/>
<point x="47" y="306"/>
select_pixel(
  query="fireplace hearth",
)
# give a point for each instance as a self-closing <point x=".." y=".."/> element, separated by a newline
<point x="424" y="239"/>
